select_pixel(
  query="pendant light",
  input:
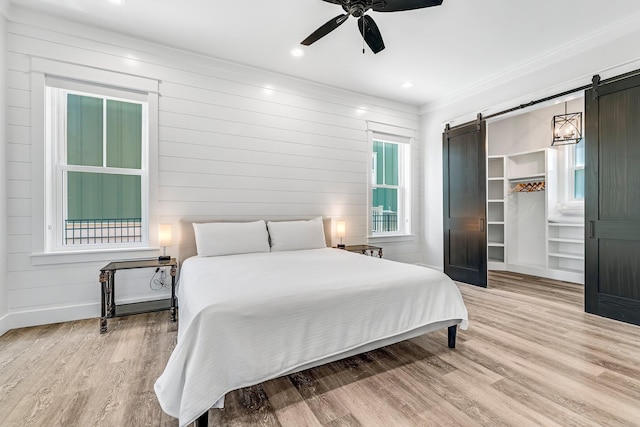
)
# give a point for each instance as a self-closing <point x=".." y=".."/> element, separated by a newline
<point x="567" y="128"/>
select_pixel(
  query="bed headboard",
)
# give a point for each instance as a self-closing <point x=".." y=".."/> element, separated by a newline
<point x="187" y="246"/>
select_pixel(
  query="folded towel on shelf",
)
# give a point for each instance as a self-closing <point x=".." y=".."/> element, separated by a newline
<point x="571" y="208"/>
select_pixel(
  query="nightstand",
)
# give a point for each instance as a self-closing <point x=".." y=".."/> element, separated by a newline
<point x="109" y="308"/>
<point x="364" y="249"/>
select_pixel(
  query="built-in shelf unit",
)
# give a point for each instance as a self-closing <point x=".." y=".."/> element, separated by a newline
<point x="496" y="210"/>
<point x="520" y="189"/>
<point x="566" y="247"/>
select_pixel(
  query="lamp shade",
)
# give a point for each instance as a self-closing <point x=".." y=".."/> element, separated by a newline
<point x="341" y="228"/>
<point x="165" y="234"/>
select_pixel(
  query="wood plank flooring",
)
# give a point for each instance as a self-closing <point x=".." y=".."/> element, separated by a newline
<point x="531" y="356"/>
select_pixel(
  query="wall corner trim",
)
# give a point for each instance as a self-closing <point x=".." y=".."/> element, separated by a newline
<point x="5" y="325"/>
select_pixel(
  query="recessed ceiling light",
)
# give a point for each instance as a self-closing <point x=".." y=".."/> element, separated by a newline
<point x="117" y="1"/>
<point x="407" y="84"/>
<point x="296" y="51"/>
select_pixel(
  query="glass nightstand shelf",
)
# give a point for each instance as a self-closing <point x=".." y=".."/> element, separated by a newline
<point x="364" y="249"/>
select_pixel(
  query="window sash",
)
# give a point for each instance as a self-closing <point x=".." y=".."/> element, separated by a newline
<point x="575" y="165"/>
<point x="57" y="121"/>
<point x="402" y="169"/>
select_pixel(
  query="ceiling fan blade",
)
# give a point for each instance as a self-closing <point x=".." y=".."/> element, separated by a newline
<point x="342" y="2"/>
<point x="370" y="33"/>
<point x="400" y="5"/>
<point x="325" y="29"/>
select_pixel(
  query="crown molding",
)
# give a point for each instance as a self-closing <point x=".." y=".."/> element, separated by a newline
<point x="555" y="57"/>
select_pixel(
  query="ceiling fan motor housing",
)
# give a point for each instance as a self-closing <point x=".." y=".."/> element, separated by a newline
<point x="356" y="9"/>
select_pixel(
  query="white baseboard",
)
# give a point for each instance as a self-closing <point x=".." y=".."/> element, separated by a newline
<point x="46" y="316"/>
<point x="549" y="273"/>
<point x="25" y="319"/>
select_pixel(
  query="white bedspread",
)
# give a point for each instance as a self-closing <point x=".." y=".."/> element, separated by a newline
<point x="248" y="318"/>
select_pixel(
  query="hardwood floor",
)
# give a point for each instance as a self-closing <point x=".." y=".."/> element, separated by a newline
<point x="531" y="356"/>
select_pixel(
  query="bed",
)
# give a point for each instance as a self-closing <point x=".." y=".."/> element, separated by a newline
<point x="247" y="317"/>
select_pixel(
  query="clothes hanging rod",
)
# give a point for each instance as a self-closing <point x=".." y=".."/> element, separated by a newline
<point x="532" y="179"/>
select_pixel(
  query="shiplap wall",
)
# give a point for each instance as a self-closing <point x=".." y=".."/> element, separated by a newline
<point x="4" y="305"/>
<point x="234" y="143"/>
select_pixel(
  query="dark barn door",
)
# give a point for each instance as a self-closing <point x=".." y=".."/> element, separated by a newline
<point x="465" y="235"/>
<point x="612" y="199"/>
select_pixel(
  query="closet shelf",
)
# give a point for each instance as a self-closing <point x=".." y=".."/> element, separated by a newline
<point x="569" y="256"/>
<point x="531" y="177"/>
<point x="568" y="270"/>
<point x="565" y="240"/>
<point x="496" y="244"/>
<point x="496" y="201"/>
<point x="565" y="224"/>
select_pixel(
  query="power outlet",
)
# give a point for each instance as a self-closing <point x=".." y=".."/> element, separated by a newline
<point x="163" y="277"/>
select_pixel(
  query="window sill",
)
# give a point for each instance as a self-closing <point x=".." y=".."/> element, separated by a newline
<point x="92" y="255"/>
<point x="391" y="238"/>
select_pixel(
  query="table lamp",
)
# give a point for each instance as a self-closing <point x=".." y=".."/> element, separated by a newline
<point x="341" y="228"/>
<point x="165" y="238"/>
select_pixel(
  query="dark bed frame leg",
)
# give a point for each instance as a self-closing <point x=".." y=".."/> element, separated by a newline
<point x="452" y="336"/>
<point x="203" y="420"/>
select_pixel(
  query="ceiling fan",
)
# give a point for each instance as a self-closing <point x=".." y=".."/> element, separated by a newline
<point x="367" y="26"/>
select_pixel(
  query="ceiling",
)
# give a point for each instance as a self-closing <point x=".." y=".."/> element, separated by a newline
<point x="443" y="51"/>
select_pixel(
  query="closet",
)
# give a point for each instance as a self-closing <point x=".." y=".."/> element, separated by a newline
<point x="535" y="224"/>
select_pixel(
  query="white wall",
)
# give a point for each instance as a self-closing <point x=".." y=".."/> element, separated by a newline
<point x="607" y="53"/>
<point x="528" y="131"/>
<point x="234" y="143"/>
<point x="4" y="304"/>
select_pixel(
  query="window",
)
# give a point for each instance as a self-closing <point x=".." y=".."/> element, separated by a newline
<point x="577" y="171"/>
<point x="97" y="141"/>
<point x="389" y="183"/>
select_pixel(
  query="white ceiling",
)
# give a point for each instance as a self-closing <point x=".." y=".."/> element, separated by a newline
<point x="443" y="50"/>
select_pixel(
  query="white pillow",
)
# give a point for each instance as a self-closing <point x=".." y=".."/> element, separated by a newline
<point x="296" y="235"/>
<point x="229" y="238"/>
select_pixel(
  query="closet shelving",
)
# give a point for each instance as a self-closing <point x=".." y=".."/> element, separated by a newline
<point x="522" y="187"/>
<point x="565" y="239"/>
<point x="496" y="208"/>
<point x="566" y="248"/>
<point x="533" y="225"/>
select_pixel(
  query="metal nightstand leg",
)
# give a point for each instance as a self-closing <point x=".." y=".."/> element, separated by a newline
<point x="103" y="302"/>
<point x="111" y="294"/>
<point x="173" y="294"/>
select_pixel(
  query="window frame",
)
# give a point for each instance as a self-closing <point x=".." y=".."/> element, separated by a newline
<point x="41" y="71"/>
<point x="404" y="139"/>
<point x="57" y="167"/>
